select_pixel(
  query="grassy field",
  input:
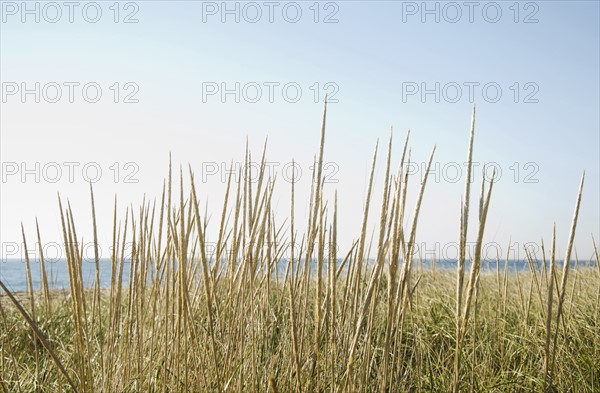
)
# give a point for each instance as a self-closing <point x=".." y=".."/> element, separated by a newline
<point x="186" y="323"/>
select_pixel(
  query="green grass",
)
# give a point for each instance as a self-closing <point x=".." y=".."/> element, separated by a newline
<point x="385" y="326"/>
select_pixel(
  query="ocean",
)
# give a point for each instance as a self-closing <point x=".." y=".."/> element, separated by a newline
<point x="13" y="271"/>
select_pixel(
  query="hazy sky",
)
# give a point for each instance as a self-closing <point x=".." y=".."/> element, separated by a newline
<point x="122" y="85"/>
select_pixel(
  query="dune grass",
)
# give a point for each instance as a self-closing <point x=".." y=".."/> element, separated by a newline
<point x="187" y="323"/>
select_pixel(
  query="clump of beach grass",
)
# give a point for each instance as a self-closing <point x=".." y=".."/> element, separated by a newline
<point x="194" y="319"/>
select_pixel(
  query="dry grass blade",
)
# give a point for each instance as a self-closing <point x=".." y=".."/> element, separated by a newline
<point x="549" y="311"/>
<point x="476" y="264"/>
<point x="566" y="266"/>
<point x="40" y="335"/>
<point x="44" y="277"/>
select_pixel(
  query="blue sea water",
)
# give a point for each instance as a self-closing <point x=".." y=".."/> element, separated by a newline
<point x="13" y="271"/>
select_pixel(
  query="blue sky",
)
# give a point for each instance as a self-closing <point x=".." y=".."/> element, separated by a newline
<point x="370" y="58"/>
